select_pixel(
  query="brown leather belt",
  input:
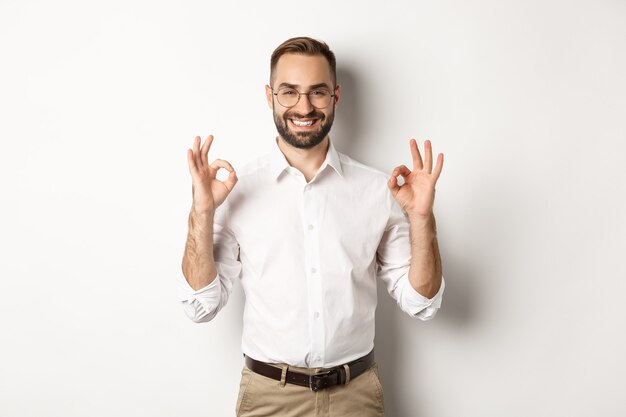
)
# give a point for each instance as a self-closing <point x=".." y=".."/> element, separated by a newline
<point x="316" y="382"/>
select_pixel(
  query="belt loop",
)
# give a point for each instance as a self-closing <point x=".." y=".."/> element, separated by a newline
<point x="283" y="375"/>
<point x="347" y="368"/>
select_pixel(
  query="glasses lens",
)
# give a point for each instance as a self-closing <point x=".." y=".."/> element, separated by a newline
<point x="320" y="98"/>
<point x="287" y="97"/>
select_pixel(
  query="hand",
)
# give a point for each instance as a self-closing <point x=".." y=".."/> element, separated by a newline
<point x="417" y="195"/>
<point x="208" y="192"/>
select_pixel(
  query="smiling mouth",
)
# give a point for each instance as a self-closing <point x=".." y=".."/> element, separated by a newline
<point x="304" y="123"/>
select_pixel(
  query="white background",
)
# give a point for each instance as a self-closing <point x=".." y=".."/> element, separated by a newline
<point x="99" y="103"/>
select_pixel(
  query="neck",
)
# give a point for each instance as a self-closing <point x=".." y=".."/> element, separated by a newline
<point x="307" y="161"/>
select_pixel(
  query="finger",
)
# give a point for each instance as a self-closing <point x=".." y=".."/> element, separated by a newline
<point x="196" y="152"/>
<point x="204" y="151"/>
<point x="193" y="169"/>
<point x="220" y="163"/>
<point x="393" y="184"/>
<point x="438" y="167"/>
<point x="231" y="180"/>
<point x="428" y="156"/>
<point x="415" y="153"/>
<point x="401" y="170"/>
<point x="196" y="144"/>
<point x="232" y="176"/>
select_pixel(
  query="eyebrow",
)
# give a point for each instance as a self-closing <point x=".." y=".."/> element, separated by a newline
<point x="312" y="87"/>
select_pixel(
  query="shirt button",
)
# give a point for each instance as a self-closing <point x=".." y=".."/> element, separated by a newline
<point x="310" y="227"/>
<point x="316" y="315"/>
<point x="318" y="359"/>
<point x="313" y="270"/>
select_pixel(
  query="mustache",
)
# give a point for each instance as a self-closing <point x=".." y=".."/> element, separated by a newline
<point x="312" y="114"/>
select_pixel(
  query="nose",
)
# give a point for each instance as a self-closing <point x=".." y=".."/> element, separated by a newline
<point x="303" y="106"/>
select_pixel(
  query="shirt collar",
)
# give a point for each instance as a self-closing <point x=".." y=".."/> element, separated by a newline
<point x="278" y="162"/>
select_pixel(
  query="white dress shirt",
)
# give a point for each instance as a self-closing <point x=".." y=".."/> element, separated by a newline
<point x="308" y="255"/>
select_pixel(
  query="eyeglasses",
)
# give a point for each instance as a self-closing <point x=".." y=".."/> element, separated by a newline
<point x="289" y="97"/>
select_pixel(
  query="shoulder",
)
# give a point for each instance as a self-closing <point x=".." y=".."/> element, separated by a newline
<point x="356" y="169"/>
<point x="371" y="181"/>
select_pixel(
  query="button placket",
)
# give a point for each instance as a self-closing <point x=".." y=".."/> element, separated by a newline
<point x="311" y="238"/>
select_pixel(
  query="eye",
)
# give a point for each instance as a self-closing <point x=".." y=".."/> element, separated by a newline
<point x="319" y="93"/>
<point x="287" y="92"/>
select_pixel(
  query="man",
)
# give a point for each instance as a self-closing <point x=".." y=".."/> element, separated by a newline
<point x="307" y="230"/>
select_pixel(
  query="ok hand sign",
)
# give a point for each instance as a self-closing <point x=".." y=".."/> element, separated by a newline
<point x="208" y="191"/>
<point x="417" y="195"/>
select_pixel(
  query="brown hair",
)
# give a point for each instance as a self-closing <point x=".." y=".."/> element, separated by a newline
<point x="305" y="46"/>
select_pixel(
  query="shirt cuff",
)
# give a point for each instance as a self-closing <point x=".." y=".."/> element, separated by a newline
<point x="420" y="306"/>
<point x="186" y="293"/>
<point x="199" y="305"/>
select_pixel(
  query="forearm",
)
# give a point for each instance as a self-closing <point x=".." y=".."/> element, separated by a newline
<point x="198" y="262"/>
<point x="425" y="271"/>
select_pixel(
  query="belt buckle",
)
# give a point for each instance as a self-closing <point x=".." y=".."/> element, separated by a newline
<point x="315" y="379"/>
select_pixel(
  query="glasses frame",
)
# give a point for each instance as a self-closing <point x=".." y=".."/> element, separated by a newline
<point x="301" y="94"/>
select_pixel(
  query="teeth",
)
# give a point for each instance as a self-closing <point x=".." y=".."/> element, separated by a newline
<point x="299" y="123"/>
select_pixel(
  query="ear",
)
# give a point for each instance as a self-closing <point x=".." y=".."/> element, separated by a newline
<point x="337" y="94"/>
<point x="268" y="96"/>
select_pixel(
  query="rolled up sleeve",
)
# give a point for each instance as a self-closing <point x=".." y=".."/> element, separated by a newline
<point x="416" y="304"/>
<point x="200" y="305"/>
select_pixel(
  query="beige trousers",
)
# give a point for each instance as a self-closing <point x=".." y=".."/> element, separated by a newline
<point x="260" y="396"/>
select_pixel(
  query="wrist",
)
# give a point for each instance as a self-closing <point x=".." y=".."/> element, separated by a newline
<point x="424" y="227"/>
<point x="420" y="217"/>
<point x="202" y="211"/>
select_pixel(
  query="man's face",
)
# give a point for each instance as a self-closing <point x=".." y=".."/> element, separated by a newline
<point x="304" y="73"/>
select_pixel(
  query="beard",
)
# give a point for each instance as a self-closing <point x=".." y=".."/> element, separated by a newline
<point x="304" y="140"/>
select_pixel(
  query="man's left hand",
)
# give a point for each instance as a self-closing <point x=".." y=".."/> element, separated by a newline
<point x="417" y="195"/>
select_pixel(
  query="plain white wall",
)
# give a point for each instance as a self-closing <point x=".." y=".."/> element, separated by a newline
<point x="99" y="102"/>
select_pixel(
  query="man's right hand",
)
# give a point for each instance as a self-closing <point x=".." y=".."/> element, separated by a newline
<point x="208" y="191"/>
